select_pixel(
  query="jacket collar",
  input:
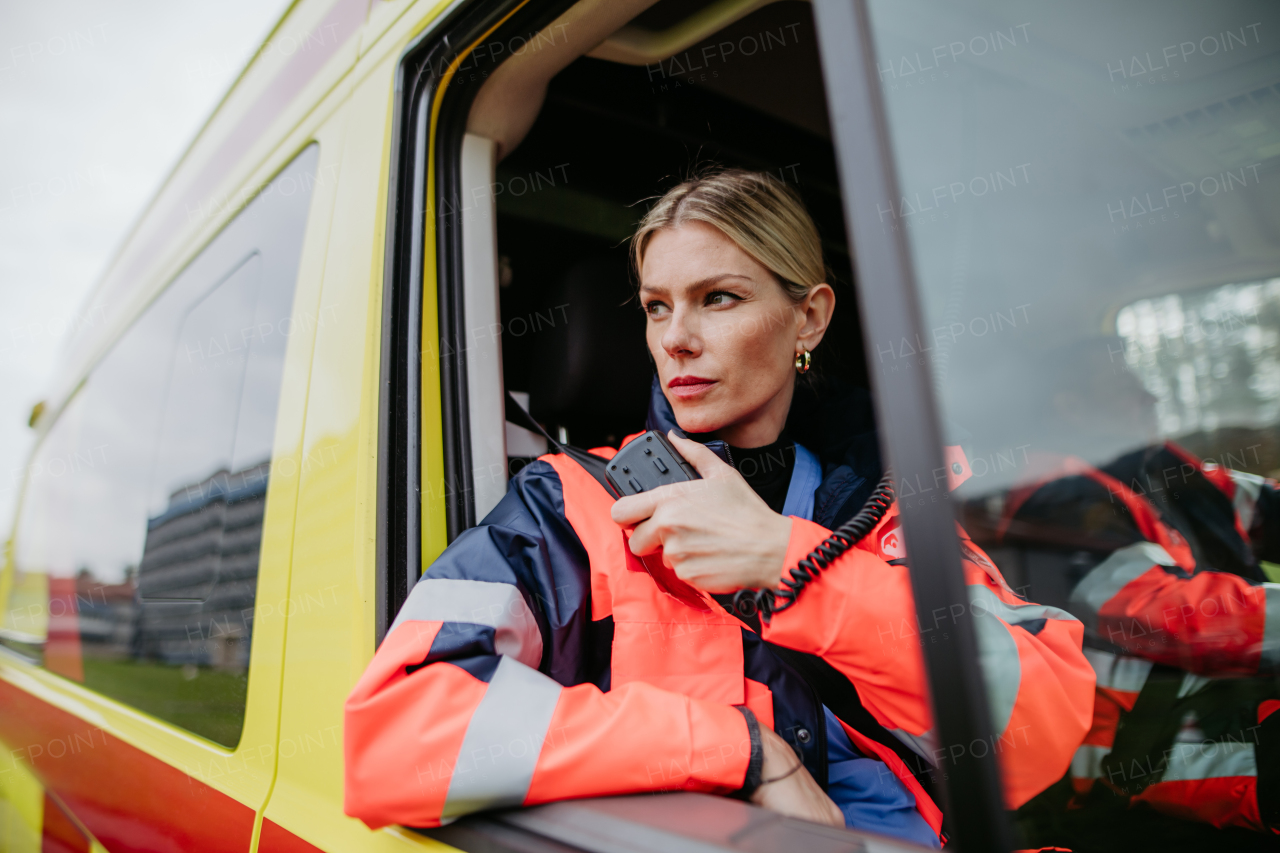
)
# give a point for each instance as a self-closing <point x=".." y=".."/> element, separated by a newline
<point x="836" y="422"/>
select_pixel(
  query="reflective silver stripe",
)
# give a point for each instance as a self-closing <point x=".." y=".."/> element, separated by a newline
<point x="1087" y="762"/>
<point x="1271" y="629"/>
<point x="1118" y="672"/>
<point x="1111" y="575"/>
<point x="1248" y="487"/>
<point x="495" y="605"/>
<point x="1192" y="683"/>
<point x="998" y="654"/>
<point x="1209" y="760"/>
<point x="503" y="740"/>
<point x="983" y="598"/>
<point x="924" y="745"/>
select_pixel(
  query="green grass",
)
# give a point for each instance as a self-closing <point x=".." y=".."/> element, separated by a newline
<point x="210" y="705"/>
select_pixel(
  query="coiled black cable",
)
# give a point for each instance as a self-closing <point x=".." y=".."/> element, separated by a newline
<point x="766" y="602"/>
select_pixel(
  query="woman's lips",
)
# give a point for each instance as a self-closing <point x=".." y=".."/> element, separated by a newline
<point x="688" y="387"/>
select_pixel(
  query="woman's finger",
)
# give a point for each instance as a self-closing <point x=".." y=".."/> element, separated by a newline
<point x="703" y="460"/>
<point x="645" y="539"/>
<point x="635" y="508"/>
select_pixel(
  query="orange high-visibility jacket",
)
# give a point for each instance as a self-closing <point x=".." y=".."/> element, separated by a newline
<point x="537" y="660"/>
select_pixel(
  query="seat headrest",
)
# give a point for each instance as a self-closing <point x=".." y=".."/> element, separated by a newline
<point x="591" y="373"/>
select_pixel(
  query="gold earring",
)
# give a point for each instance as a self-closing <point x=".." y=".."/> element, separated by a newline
<point x="802" y="362"/>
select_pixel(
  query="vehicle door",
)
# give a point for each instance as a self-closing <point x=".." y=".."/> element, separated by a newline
<point x="1068" y="242"/>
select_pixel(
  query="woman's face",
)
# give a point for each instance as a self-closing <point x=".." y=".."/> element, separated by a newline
<point x="724" y="334"/>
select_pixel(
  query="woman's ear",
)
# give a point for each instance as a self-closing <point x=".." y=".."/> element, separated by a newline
<point x="818" y="305"/>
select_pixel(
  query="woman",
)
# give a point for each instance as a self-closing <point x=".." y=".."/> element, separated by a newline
<point x="538" y="658"/>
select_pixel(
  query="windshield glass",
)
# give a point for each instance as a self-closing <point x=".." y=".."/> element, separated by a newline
<point x="1091" y="196"/>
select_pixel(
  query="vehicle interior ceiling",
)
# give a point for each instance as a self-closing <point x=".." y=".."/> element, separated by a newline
<point x="611" y="137"/>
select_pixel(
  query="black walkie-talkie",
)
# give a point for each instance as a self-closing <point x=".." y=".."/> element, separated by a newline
<point x="645" y="463"/>
<point x="650" y="461"/>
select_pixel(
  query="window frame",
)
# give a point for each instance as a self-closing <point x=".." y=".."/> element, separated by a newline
<point x="425" y="175"/>
<point x="888" y="296"/>
<point x="427" y="131"/>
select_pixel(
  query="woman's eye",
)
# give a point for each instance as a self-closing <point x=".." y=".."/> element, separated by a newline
<point x="655" y="308"/>
<point x="721" y="298"/>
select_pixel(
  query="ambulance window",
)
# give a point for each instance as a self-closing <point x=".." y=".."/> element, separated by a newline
<point x="1089" y="198"/>
<point x="137" y="546"/>
<point x="613" y="134"/>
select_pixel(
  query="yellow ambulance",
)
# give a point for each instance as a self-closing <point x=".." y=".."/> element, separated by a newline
<point x="293" y="394"/>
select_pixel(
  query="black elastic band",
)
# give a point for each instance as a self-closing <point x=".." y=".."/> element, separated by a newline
<point x="755" y="765"/>
<point x="799" y="763"/>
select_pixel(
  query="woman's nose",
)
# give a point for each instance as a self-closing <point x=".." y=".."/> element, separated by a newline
<point x="679" y="338"/>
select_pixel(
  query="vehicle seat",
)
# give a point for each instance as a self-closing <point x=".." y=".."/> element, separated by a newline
<point x="591" y="371"/>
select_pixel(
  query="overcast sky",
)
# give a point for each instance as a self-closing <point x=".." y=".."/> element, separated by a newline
<point x="97" y="102"/>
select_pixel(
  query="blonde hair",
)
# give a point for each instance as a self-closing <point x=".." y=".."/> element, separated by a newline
<point x="763" y="216"/>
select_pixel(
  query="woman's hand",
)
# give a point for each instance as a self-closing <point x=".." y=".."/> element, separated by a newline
<point x="796" y="795"/>
<point x="715" y="533"/>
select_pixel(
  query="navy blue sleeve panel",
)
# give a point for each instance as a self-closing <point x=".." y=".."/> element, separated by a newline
<point x="1074" y="512"/>
<point x="526" y="542"/>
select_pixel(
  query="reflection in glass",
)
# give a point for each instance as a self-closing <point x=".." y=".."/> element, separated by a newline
<point x="1091" y="196"/>
<point x="1212" y="361"/>
<point x="136" y="554"/>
